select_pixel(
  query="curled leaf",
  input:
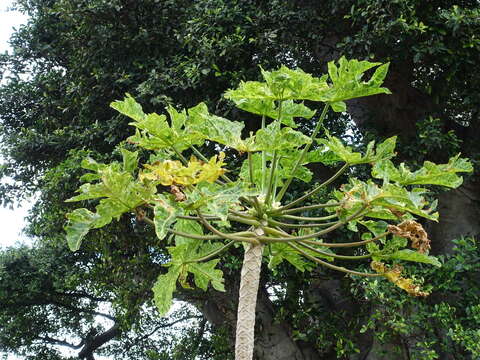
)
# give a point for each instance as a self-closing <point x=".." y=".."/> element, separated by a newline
<point x="394" y="275"/>
<point x="414" y="231"/>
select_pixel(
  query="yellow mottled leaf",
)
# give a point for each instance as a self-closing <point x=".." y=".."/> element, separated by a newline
<point x="172" y="172"/>
<point x="394" y="275"/>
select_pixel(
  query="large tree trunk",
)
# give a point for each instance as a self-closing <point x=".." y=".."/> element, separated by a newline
<point x="459" y="216"/>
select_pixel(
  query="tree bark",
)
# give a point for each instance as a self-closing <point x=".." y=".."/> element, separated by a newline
<point x="247" y="301"/>
<point x="274" y="340"/>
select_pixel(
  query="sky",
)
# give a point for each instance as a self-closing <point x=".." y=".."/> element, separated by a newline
<point x="11" y="221"/>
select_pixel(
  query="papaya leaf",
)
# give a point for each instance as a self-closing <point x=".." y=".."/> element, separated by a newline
<point x="295" y="84"/>
<point x="410" y="255"/>
<point x="130" y="160"/>
<point x="383" y="151"/>
<point x="165" y="215"/>
<point x="394" y="275"/>
<point x="212" y="198"/>
<point x="338" y="106"/>
<point x="387" y="198"/>
<point x="205" y="273"/>
<point x="284" y="168"/>
<point x="376" y="227"/>
<point x="171" y="172"/>
<point x="153" y="130"/>
<point x="80" y="221"/>
<point x="184" y="256"/>
<point x="272" y="138"/>
<point x="219" y="129"/>
<point x="187" y="226"/>
<point x="348" y="84"/>
<point x="129" y="107"/>
<point x="429" y="174"/>
<point x="281" y="251"/>
<point x="289" y="110"/>
<point x="163" y="289"/>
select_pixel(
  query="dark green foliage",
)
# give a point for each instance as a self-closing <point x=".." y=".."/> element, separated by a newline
<point x="75" y="57"/>
<point x="444" y="323"/>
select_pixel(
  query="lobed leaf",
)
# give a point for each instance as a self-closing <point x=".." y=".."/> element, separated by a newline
<point x="170" y="172"/>
<point x="429" y="174"/>
<point x="348" y="84"/>
<point x="383" y="151"/>
<point x="272" y="138"/>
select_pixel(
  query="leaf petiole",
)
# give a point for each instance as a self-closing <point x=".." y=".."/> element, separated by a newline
<point x="331" y="266"/>
<point x="213" y="253"/>
<point x="307" y="218"/>
<point x="317" y="189"/>
<point x="284" y="188"/>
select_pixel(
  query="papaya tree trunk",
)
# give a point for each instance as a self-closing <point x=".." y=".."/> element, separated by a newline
<point x="247" y="301"/>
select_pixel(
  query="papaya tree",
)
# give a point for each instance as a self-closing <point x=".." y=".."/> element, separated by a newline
<point x="199" y="209"/>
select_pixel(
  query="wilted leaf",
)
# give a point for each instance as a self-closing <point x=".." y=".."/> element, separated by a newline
<point x="395" y="276"/>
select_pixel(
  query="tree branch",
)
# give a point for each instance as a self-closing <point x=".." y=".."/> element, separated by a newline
<point x="50" y="340"/>
<point x="98" y="341"/>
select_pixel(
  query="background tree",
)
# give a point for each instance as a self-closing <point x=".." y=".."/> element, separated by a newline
<point x="81" y="55"/>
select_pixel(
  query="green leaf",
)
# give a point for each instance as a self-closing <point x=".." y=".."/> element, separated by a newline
<point x="164" y="288"/>
<point x="164" y="216"/>
<point x="383" y="151"/>
<point x="215" y="198"/>
<point x="284" y="168"/>
<point x="338" y="106"/>
<point x="348" y="84"/>
<point x="187" y="226"/>
<point x="184" y="256"/>
<point x="129" y="107"/>
<point x="177" y="119"/>
<point x="280" y="252"/>
<point x="205" y="273"/>
<point x="388" y="198"/>
<point x="251" y="90"/>
<point x="272" y="138"/>
<point x="218" y="129"/>
<point x="153" y="130"/>
<point x="80" y="221"/>
<point x="130" y="160"/>
<point x="295" y="84"/>
<point x="282" y="84"/>
<point x="410" y="255"/>
<point x="289" y="110"/>
<point x="428" y="174"/>
<point x="376" y="227"/>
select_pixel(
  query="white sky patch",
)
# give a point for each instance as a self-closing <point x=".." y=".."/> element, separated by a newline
<point x="8" y="21"/>
<point x="11" y="221"/>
